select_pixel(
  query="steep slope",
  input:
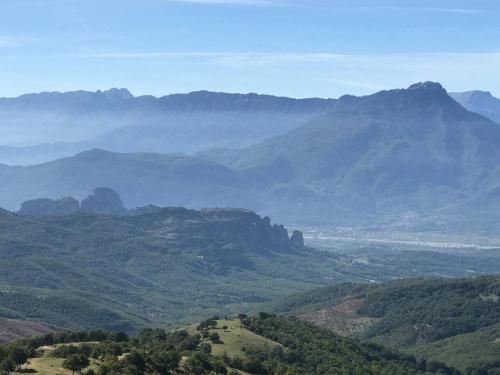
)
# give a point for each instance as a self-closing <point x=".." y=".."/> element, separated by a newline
<point x="52" y="125"/>
<point x="481" y="102"/>
<point x="415" y="150"/>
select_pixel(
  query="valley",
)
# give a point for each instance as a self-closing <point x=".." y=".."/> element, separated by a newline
<point x="249" y="187"/>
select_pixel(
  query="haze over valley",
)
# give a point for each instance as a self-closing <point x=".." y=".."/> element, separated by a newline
<point x="249" y="187"/>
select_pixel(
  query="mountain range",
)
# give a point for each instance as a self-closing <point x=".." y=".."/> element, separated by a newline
<point x="409" y="157"/>
<point x="41" y="127"/>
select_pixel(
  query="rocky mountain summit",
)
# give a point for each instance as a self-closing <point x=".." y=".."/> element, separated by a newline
<point x="103" y="201"/>
<point x="47" y="207"/>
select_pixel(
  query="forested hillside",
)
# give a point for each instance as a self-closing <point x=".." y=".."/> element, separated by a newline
<point x="154" y="266"/>
<point x="435" y="318"/>
<point x="263" y="345"/>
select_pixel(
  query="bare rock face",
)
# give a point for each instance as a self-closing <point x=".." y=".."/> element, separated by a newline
<point x="297" y="239"/>
<point x="47" y="207"/>
<point x="103" y="201"/>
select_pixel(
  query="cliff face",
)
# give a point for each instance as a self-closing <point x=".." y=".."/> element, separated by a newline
<point x="48" y="207"/>
<point x="226" y="237"/>
<point x="240" y="230"/>
<point x="104" y="201"/>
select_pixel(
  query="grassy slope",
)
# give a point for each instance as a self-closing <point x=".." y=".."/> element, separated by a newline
<point x="47" y="365"/>
<point x="235" y="337"/>
<point x="308" y="347"/>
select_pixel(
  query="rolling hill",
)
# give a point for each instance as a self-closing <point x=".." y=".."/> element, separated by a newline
<point x="155" y="266"/>
<point x="437" y="319"/>
<point x="140" y="179"/>
<point x="263" y="345"/>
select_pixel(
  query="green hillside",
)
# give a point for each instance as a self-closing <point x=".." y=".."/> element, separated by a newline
<point x="263" y="345"/>
<point x="480" y="349"/>
<point x="157" y="267"/>
<point x="439" y="319"/>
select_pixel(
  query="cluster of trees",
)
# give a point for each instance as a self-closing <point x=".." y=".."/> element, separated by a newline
<point x="13" y="357"/>
<point x="437" y="308"/>
<point x="309" y="350"/>
<point x="304" y="350"/>
<point x="153" y="351"/>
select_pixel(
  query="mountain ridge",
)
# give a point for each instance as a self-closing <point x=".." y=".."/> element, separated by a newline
<point x="482" y="102"/>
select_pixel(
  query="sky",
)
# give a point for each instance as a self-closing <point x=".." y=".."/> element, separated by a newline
<point x="298" y="48"/>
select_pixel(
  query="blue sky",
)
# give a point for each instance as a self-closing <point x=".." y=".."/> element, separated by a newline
<point x="297" y="48"/>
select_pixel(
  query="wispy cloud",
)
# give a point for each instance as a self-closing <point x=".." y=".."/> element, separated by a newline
<point x="340" y="5"/>
<point x="361" y="73"/>
<point x="221" y="57"/>
<point x="232" y="2"/>
<point x="12" y="41"/>
<point x="289" y="57"/>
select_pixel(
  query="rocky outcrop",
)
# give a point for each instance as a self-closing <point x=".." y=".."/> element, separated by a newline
<point x="297" y="239"/>
<point x="104" y="201"/>
<point x="228" y="230"/>
<point x="47" y="207"/>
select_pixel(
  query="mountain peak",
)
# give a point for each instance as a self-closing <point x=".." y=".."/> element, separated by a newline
<point x="115" y="93"/>
<point x="427" y="86"/>
<point x="474" y="97"/>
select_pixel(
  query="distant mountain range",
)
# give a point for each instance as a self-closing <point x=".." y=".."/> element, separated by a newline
<point x="409" y="158"/>
<point x="46" y="126"/>
<point x="35" y="128"/>
<point x="400" y="151"/>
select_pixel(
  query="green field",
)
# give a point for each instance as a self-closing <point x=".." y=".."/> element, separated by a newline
<point x="45" y="364"/>
<point x="234" y="337"/>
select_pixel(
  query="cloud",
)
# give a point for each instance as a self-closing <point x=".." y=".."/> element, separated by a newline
<point x="232" y="2"/>
<point x="343" y="5"/>
<point x="222" y="57"/>
<point x="12" y="41"/>
<point x="229" y="58"/>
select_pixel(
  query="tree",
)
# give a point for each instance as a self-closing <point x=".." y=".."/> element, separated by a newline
<point x="162" y="359"/>
<point x="96" y="353"/>
<point x="215" y="338"/>
<point x="75" y="362"/>
<point x="136" y="359"/>
<point x="206" y="348"/>
<point x="19" y="356"/>
<point x="7" y="365"/>
<point x="199" y="363"/>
